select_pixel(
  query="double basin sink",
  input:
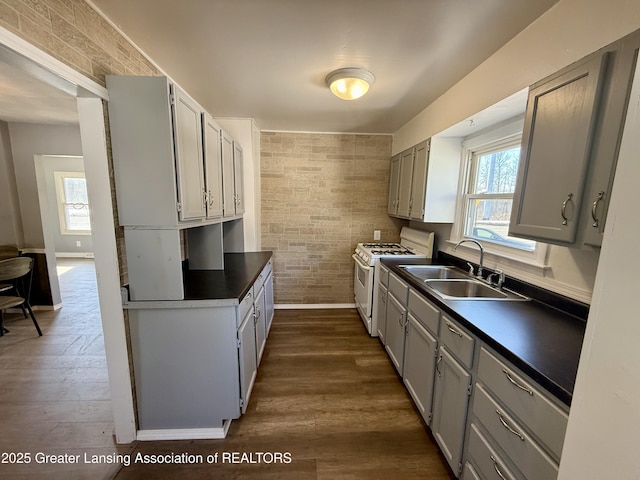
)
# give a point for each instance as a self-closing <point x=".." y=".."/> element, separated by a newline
<point x="452" y="283"/>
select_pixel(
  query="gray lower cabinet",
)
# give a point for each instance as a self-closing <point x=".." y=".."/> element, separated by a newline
<point x="247" y="353"/>
<point x="260" y="320"/>
<point x="394" y="331"/>
<point x="419" y="365"/>
<point x="382" y="311"/>
<point x="450" y="404"/>
<point x="269" y="303"/>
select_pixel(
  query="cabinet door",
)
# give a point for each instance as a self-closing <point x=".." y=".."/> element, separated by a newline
<point x="450" y="404"/>
<point x="269" y="303"/>
<point x="419" y="181"/>
<point x="394" y="184"/>
<point x="187" y="122"/>
<point x="228" y="175"/>
<point x="382" y="311"/>
<point x="394" y="332"/>
<point x="213" y="166"/>
<point x="260" y="319"/>
<point x="404" y="187"/>
<point x="238" y="178"/>
<point x="556" y="148"/>
<point x="419" y="365"/>
<point x="247" y="357"/>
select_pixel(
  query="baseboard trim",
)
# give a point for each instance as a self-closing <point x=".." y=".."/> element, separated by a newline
<point x="312" y="306"/>
<point x="36" y="308"/>
<point x="185" y="433"/>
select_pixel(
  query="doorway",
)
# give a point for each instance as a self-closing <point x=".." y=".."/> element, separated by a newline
<point x="87" y="96"/>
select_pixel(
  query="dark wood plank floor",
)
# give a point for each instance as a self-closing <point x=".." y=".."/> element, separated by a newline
<point x="327" y="395"/>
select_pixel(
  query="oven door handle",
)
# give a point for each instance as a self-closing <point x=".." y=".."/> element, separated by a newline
<point x="360" y="262"/>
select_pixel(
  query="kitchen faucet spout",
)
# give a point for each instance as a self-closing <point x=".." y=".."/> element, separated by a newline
<point x="479" y="274"/>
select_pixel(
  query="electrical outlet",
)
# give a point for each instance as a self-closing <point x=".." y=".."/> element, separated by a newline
<point x="78" y="243"/>
<point x="376" y="234"/>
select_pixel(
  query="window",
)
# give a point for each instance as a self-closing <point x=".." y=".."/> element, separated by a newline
<point x="492" y="180"/>
<point x="73" y="203"/>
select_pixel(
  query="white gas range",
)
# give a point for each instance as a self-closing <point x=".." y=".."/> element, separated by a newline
<point x="413" y="244"/>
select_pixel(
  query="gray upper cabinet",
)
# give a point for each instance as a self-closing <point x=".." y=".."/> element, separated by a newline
<point x="573" y="126"/>
<point x="187" y="122"/>
<point x="212" y="135"/>
<point x="238" y="178"/>
<point x="424" y="181"/>
<point x="558" y="131"/>
<point x="167" y="154"/>
<point x="394" y="185"/>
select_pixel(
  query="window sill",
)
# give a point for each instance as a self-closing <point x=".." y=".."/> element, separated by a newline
<point x="499" y="258"/>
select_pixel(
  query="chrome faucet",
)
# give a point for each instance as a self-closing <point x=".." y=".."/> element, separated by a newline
<point x="479" y="274"/>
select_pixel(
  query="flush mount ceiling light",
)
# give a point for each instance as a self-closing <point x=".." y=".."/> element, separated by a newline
<point x="350" y="83"/>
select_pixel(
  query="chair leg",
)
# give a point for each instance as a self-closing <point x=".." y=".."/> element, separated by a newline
<point x="35" y="322"/>
<point x="24" y="311"/>
<point x="2" y="329"/>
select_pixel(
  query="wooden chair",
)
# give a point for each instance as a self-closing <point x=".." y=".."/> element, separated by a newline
<point x="7" y="251"/>
<point x="18" y="272"/>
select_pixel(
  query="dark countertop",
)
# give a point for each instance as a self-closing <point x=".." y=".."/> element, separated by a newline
<point x="240" y="272"/>
<point x="543" y="341"/>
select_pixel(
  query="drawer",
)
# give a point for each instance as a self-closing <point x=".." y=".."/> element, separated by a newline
<point x="384" y="275"/>
<point x="261" y="278"/>
<point x="424" y="311"/>
<point x="486" y="460"/>
<point x="246" y="304"/>
<point x="520" y="448"/>
<point x="543" y="418"/>
<point x="460" y="343"/>
<point x="398" y="288"/>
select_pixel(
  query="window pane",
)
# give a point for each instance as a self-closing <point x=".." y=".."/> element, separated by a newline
<point x="488" y="220"/>
<point x="77" y="217"/>
<point x="75" y="190"/>
<point x="496" y="172"/>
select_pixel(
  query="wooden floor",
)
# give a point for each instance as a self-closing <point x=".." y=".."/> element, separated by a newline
<point x="326" y="395"/>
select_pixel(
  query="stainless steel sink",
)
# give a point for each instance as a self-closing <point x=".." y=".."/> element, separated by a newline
<point x="433" y="272"/>
<point x="470" y="289"/>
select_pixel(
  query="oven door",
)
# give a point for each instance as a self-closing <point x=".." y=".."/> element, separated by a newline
<point x="363" y="287"/>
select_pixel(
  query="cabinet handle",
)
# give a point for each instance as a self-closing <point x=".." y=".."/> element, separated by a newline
<point x="211" y="202"/>
<point x="496" y="467"/>
<point x="258" y="313"/>
<point x="438" y="365"/>
<point x="384" y="298"/>
<point x="453" y="330"/>
<point x="516" y="384"/>
<point x="594" y="208"/>
<point x="509" y="427"/>
<point x="563" y="211"/>
<point x="205" y="198"/>
<point x="401" y="320"/>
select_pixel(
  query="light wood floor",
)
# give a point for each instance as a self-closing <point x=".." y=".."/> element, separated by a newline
<point x="326" y="394"/>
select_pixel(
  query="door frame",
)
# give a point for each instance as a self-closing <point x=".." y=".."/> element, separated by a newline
<point x="90" y="96"/>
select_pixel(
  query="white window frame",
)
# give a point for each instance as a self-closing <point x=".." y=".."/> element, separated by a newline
<point x="61" y="200"/>
<point x="503" y="134"/>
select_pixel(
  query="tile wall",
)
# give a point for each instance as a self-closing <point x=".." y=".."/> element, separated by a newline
<point x="321" y="195"/>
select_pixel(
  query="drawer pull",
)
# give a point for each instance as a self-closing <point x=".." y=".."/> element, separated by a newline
<point x="513" y="382"/>
<point x="496" y="467"/>
<point x="453" y="330"/>
<point x="509" y="427"/>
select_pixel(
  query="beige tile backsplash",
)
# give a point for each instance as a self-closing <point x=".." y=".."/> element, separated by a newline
<point x="321" y="195"/>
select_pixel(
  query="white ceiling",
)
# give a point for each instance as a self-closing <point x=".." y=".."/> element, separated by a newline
<point x="267" y="59"/>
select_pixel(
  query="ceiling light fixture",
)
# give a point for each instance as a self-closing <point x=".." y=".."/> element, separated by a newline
<point x="350" y="83"/>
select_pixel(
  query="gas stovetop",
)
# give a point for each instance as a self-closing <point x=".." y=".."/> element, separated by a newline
<point x="370" y="251"/>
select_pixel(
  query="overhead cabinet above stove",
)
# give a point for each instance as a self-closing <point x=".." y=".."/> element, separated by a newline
<point x="424" y="181"/>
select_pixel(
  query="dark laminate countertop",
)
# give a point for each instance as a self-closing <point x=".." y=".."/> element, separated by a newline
<point x="240" y="272"/>
<point x="542" y="341"/>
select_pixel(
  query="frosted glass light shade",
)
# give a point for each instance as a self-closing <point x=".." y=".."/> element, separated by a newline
<point x="350" y="83"/>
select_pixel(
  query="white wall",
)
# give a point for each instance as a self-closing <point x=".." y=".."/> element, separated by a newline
<point x="28" y="140"/>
